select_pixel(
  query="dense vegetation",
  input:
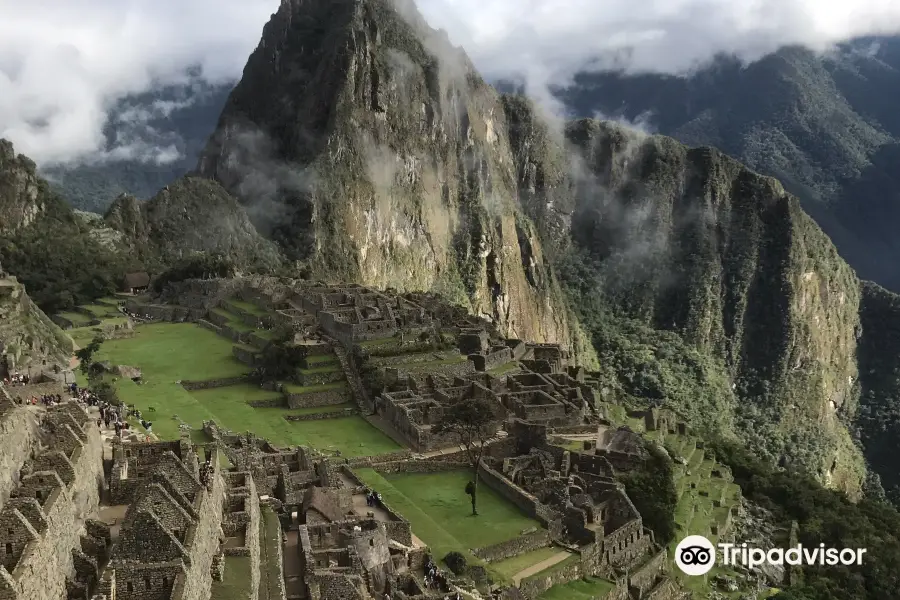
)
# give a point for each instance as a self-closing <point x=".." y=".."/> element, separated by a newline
<point x="824" y="517"/>
<point x="199" y="266"/>
<point x="60" y="263"/>
<point x="878" y="418"/>
<point x="825" y="124"/>
<point x="652" y="490"/>
<point x="657" y="367"/>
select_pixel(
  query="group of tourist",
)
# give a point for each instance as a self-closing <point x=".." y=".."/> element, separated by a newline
<point x="434" y="577"/>
<point x="17" y="379"/>
<point x="372" y="498"/>
<point x="134" y="316"/>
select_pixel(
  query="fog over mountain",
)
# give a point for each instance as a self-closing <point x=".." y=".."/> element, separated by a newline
<point x="64" y="66"/>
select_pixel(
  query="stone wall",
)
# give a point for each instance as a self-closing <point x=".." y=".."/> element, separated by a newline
<point x="420" y="466"/>
<point x="160" y="312"/>
<point x="645" y="577"/>
<point x="47" y="561"/>
<point x="316" y="399"/>
<point x="211" y="326"/>
<point x="198" y="577"/>
<point x="316" y="377"/>
<point x="213" y="383"/>
<point x="18" y="432"/>
<point x="525" y="501"/>
<point x="514" y="547"/>
<point x="568" y="570"/>
<point x="274" y="402"/>
<point x="245" y="355"/>
<point x="332" y="414"/>
<point x="252" y="530"/>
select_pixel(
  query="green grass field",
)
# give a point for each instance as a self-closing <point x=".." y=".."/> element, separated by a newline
<point x="441" y="514"/>
<point x="591" y="588"/>
<point x="75" y="318"/>
<point x="167" y="353"/>
<point x="517" y="564"/>
<point x="236" y="582"/>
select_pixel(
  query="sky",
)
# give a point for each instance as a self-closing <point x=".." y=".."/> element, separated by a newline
<point x="63" y="64"/>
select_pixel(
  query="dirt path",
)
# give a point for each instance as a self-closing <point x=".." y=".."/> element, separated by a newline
<point x="544" y="564"/>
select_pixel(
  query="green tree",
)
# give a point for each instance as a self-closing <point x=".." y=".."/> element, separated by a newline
<point x="86" y="355"/>
<point x="651" y="488"/>
<point x="473" y="422"/>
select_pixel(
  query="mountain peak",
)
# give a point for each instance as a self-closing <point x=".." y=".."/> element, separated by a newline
<point x="366" y="144"/>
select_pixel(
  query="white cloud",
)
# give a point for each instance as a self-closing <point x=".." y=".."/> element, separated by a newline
<point x="64" y="63"/>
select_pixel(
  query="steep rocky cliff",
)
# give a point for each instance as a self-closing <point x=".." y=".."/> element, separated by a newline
<point x="21" y="190"/>
<point x="29" y="341"/>
<point x="190" y="215"/>
<point x="367" y="145"/>
<point x="692" y="241"/>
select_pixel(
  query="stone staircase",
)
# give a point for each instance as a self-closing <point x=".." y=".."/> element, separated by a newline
<point x="360" y="394"/>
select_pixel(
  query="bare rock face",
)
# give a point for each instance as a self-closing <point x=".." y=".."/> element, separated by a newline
<point x="366" y="144"/>
<point x="21" y="190"/>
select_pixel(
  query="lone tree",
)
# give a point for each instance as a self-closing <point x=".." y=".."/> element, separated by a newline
<point x="86" y="355"/>
<point x="473" y="422"/>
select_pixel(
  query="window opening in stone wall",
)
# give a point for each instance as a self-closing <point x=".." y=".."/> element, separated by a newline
<point x="129" y="587"/>
<point x="147" y="582"/>
<point x="8" y="548"/>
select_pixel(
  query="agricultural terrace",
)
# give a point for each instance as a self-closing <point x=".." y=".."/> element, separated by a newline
<point x="169" y="353"/>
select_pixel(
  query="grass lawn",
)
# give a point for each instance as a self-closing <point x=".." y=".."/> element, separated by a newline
<point x="236" y="582"/>
<point x="580" y="589"/>
<point x="171" y="352"/>
<point x="517" y="564"/>
<point x="504" y="368"/>
<point x="234" y="394"/>
<point x="293" y="388"/>
<point x="101" y="310"/>
<point x="441" y="514"/>
<point x="114" y="302"/>
<point x="234" y="321"/>
<point x="353" y="436"/>
<point x="269" y="539"/>
<point x="248" y="306"/>
<point x="76" y="318"/>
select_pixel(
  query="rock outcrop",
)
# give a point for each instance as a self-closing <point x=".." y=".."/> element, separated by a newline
<point x="368" y="145"/>
<point x="188" y="216"/>
<point x="22" y="192"/>
<point x="29" y="340"/>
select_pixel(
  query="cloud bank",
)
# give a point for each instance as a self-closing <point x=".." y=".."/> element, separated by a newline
<point x="64" y="65"/>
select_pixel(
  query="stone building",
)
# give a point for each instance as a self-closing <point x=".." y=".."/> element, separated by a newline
<point x="42" y="522"/>
<point x="172" y="530"/>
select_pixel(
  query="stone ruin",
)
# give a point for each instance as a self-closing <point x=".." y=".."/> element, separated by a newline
<point x="158" y="520"/>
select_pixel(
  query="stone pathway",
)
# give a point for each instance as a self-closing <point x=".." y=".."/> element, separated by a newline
<point x="544" y="564"/>
<point x="293" y="567"/>
<point x="363" y="401"/>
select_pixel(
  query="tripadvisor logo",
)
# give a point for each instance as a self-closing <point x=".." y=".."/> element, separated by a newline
<point x="696" y="555"/>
